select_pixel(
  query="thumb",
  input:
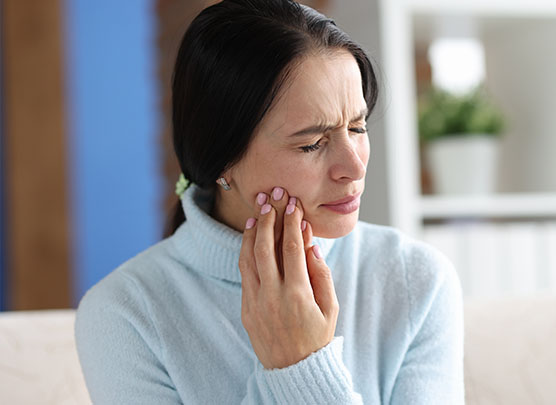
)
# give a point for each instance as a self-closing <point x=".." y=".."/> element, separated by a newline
<point x="307" y="230"/>
<point x="322" y="282"/>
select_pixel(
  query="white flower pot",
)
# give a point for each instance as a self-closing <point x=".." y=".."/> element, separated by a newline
<point x="464" y="164"/>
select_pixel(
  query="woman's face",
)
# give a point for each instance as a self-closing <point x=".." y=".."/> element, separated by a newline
<point x="313" y="143"/>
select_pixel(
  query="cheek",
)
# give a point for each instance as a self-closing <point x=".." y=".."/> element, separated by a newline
<point x="299" y="176"/>
<point x="261" y="173"/>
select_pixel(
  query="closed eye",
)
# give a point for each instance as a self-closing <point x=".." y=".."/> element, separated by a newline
<point x="360" y="130"/>
<point x="311" y="148"/>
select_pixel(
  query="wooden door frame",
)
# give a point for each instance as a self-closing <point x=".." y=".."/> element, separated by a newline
<point x="37" y="206"/>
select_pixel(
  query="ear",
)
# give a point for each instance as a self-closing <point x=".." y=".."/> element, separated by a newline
<point x="227" y="174"/>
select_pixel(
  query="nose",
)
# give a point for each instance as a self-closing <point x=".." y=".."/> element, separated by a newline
<point x="350" y="159"/>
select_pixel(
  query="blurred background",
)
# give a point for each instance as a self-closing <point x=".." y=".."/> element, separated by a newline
<point x="462" y="142"/>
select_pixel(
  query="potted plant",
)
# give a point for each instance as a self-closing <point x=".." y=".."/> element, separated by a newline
<point x="460" y="134"/>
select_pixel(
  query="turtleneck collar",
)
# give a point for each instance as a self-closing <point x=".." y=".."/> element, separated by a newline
<point x="208" y="246"/>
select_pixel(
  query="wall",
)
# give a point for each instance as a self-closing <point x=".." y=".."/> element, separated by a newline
<point x="114" y="151"/>
<point x="521" y="62"/>
<point x="2" y="222"/>
<point x="35" y="165"/>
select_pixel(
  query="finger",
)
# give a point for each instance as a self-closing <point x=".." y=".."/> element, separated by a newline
<point x="247" y="266"/>
<point x="293" y="252"/>
<point x="299" y="205"/>
<point x="307" y="230"/>
<point x="264" y="248"/>
<point x="260" y="200"/>
<point x="279" y="200"/>
<point x="322" y="282"/>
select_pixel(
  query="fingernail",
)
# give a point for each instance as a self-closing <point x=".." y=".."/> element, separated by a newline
<point x="292" y="200"/>
<point x="316" y="251"/>
<point x="265" y="209"/>
<point x="261" y="198"/>
<point x="250" y="223"/>
<point x="290" y="208"/>
<point x="277" y="193"/>
<point x="303" y="225"/>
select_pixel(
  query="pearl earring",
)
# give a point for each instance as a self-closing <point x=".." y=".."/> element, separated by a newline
<point x="222" y="181"/>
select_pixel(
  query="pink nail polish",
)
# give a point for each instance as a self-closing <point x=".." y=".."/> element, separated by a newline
<point x="317" y="252"/>
<point x="265" y="209"/>
<point x="277" y="193"/>
<point x="303" y="225"/>
<point x="261" y="198"/>
<point x="292" y="200"/>
<point x="250" y="223"/>
<point x="290" y="208"/>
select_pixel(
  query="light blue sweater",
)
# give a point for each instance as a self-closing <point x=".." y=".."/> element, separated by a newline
<point x="165" y="327"/>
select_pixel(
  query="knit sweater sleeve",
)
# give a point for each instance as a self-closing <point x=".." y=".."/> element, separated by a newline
<point x="118" y="349"/>
<point x="432" y="370"/>
<point x="321" y="378"/>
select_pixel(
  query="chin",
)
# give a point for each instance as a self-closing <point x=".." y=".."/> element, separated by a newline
<point x="332" y="228"/>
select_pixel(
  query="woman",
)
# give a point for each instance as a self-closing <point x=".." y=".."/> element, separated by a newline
<point x="270" y="290"/>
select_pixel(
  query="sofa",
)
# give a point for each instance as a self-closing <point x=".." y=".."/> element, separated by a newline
<point x="510" y="355"/>
<point x="38" y="359"/>
<point x="510" y="351"/>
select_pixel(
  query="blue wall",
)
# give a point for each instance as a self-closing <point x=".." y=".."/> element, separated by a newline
<point x="114" y="129"/>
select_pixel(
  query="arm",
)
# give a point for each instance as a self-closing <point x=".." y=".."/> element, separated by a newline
<point x="432" y="371"/>
<point x="290" y="311"/>
<point x="319" y="379"/>
<point x="117" y="348"/>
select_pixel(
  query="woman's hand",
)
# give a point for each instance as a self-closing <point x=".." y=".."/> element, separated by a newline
<point x="289" y="306"/>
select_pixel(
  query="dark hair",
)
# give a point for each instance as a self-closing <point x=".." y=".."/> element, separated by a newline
<point x="232" y="62"/>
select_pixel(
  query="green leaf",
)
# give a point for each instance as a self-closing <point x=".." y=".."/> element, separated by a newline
<point x="444" y="114"/>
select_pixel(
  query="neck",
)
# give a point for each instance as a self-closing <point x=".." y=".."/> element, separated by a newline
<point x="228" y="211"/>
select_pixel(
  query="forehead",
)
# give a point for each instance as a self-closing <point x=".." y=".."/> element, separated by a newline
<point x="322" y="89"/>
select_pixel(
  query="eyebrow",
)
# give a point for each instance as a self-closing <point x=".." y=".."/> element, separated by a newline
<point x="320" y="128"/>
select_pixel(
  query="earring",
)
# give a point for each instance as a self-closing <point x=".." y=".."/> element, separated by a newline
<point x="222" y="181"/>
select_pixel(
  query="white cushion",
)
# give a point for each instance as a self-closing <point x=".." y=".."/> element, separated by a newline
<point x="38" y="359"/>
<point x="510" y="351"/>
<point x="510" y="355"/>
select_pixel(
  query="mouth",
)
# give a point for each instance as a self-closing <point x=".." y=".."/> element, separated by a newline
<point x="346" y="205"/>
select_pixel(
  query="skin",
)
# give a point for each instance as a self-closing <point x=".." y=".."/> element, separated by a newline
<point x="289" y="306"/>
<point x="324" y="89"/>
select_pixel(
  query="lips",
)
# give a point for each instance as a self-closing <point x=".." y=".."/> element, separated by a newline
<point x="344" y="200"/>
<point x="345" y="205"/>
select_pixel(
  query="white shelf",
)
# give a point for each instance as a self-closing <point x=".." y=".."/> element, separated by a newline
<point x="407" y="208"/>
<point x="498" y="8"/>
<point x="530" y="205"/>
